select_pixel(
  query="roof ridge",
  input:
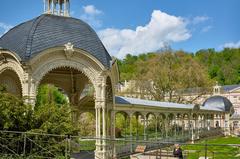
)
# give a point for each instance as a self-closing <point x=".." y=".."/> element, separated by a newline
<point x="30" y="36"/>
<point x="13" y="28"/>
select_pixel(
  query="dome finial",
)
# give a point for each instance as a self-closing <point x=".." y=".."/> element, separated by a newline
<point x="57" y="7"/>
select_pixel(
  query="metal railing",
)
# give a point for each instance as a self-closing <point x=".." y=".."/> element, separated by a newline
<point x="37" y="145"/>
<point x="33" y="145"/>
<point x="193" y="151"/>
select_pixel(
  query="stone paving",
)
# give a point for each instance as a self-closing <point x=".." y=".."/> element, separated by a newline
<point x="167" y="155"/>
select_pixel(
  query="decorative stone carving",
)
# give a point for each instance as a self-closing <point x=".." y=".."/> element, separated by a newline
<point x="44" y="68"/>
<point x="69" y="51"/>
<point x="14" y="67"/>
<point x="3" y="58"/>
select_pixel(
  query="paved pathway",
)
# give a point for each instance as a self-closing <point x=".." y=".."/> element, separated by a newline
<point x="152" y="157"/>
<point x="140" y="156"/>
<point x="83" y="155"/>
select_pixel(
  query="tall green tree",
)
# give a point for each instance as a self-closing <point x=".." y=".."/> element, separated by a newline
<point x="223" y="66"/>
<point x="15" y="115"/>
<point x="49" y="94"/>
<point x="52" y="119"/>
<point x="171" y="74"/>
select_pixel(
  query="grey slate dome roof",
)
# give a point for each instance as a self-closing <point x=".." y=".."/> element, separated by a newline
<point x="48" y="31"/>
<point x="218" y="102"/>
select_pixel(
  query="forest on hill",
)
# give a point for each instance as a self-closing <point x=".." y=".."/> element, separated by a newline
<point x="221" y="66"/>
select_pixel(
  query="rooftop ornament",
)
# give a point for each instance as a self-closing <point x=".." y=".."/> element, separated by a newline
<point x="69" y="51"/>
<point x="57" y="7"/>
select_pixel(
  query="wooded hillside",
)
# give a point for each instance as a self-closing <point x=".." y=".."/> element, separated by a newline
<point x="222" y="66"/>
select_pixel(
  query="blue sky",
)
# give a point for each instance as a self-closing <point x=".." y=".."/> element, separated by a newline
<point x="137" y="26"/>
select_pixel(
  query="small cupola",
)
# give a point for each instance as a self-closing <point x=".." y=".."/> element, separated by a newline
<point x="216" y="89"/>
<point x="57" y="7"/>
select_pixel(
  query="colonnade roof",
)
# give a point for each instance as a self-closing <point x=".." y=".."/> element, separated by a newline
<point x="229" y="88"/>
<point x="142" y="102"/>
<point x="126" y="101"/>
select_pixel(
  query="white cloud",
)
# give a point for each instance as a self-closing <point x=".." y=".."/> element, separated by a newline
<point x="199" y="19"/>
<point x="4" y="28"/>
<point x="91" y="16"/>
<point x="162" y="28"/>
<point x="91" y="10"/>
<point x="231" y="45"/>
<point x="206" y="29"/>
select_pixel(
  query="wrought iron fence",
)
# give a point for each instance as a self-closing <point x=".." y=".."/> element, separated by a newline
<point x="164" y="150"/>
<point x="33" y="145"/>
<point x="36" y="145"/>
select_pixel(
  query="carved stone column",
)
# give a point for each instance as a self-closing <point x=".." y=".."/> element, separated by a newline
<point x="204" y="122"/>
<point x="221" y="121"/>
<point x="183" y="125"/>
<point x="156" y="127"/>
<point x="166" y="124"/>
<point x="189" y="125"/>
<point x="99" y="100"/>
<point x="193" y="127"/>
<point x="29" y="89"/>
<point x="98" y="128"/>
<point x="227" y="125"/>
<point x="112" y="135"/>
<point x="175" y="125"/>
<point x="98" y="120"/>
<point x="145" y="126"/>
<point x="131" y="128"/>
<point x="102" y="151"/>
<point x="104" y="132"/>
<point x="197" y="127"/>
<point x="212" y="121"/>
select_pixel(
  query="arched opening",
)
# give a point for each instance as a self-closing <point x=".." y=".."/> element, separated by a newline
<point x="138" y="121"/>
<point x="73" y="81"/>
<point x="122" y="121"/>
<point x="171" y="125"/>
<point x="186" y="133"/>
<point x="50" y="94"/>
<point x="179" y="126"/>
<point x="151" y="126"/>
<point x="10" y="81"/>
<point x="217" y="121"/>
<point x="79" y="92"/>
<point x="162" y="125"/>
<point x="87" y="122"/>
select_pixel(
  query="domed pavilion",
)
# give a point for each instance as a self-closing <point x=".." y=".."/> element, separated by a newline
<point x="66" y="52"/>
<point x="57" y="49"/>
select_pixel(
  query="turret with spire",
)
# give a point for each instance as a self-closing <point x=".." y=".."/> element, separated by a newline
<point x="57" y="7"/>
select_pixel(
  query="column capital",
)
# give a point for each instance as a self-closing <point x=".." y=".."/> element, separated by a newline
<point x="100" y="103"/>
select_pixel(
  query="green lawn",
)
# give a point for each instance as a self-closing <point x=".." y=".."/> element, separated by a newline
<point x="215" y="148"/>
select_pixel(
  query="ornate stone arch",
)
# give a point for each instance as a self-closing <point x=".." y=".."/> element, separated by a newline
<point x="80" y="60"/>
<point x="138" y="113"/>
<point x="89" y="72"/>
<point x="16" y="68"/>
<point x="151" y="113"/>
